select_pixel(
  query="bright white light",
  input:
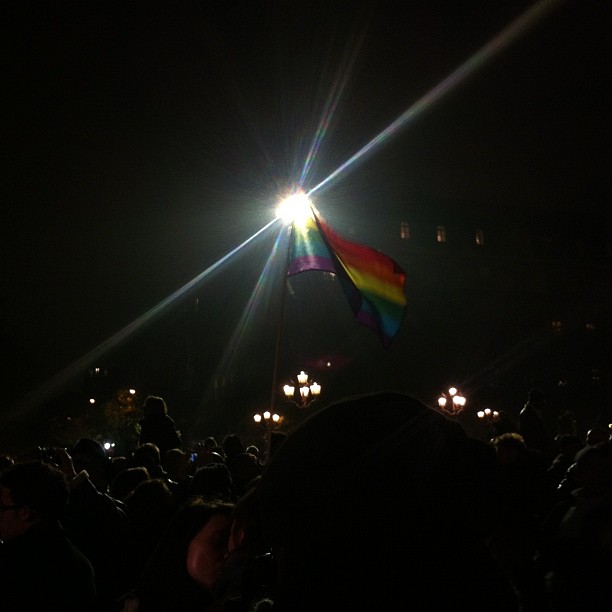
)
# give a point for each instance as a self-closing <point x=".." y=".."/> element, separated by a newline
<point x="289" y="390"/>
<point x="295" y="209"/>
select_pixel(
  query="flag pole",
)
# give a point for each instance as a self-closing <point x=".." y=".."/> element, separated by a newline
<point x="277" y="347"/>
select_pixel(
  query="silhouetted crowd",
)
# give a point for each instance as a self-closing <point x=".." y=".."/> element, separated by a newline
<point x="374" y="502"/>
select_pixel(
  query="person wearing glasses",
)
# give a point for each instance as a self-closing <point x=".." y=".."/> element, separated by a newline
<point x="41" y="567"/>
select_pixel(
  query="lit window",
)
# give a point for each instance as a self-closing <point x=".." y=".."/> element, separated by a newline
<point x="97" y="372"/>
<point x="404" y="230"/>
<point x="479" y="237"/>
<point x="440" y="234"/>
<point x="556" y="327"/>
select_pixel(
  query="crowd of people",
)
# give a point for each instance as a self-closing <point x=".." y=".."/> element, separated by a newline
<point x="374" y="502"/>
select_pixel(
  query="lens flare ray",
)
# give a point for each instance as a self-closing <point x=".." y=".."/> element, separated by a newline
<point x="508" y="35"/>
<point x="259" y="298"/>
<point x="76" y="368"/>
<point x="331" y="104"/>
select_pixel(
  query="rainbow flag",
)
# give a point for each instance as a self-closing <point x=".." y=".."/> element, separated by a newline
<point x="372" y="282"/>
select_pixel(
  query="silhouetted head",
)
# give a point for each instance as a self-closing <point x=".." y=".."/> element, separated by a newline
<point x="232" y="445"/>
<point x="213" y="481"/>
<point x="597" y="434"/>
<point x="147" y="455"/>
<point x="88" y="454"/>
<point x="380" y="489"/>
<point x="154" y="406"/>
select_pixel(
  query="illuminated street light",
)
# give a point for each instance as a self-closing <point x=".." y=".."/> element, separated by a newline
<point x="308" y="392"/>
<point x="268" y="420"/>
<point x="452" y="402"/>
<point x="488" y="415"/>
<point x="295" y="209"/>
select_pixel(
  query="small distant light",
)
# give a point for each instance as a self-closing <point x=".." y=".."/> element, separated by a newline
<point x="92" y="400"/>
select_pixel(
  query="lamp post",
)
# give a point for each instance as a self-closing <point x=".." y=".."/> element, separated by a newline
<point x="490" y="418"/>
<point x="308" y="392"/>
<point x="270" y="421"/>
<point x="452" y="402"/>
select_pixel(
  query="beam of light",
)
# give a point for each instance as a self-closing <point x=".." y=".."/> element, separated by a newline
<point x="76" y="368"/>
<point x="329" y="109"/>
<point x="508" y="35"/>
<point x="259" y="299"/>
<point x="259" y="294"/>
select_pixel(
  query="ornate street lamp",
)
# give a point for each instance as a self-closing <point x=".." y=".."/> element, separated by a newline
<point x="488" y="415"/>
<point x="268" y="420"/>
<point x="308" y="392"/>
<point x="452" y="402"/>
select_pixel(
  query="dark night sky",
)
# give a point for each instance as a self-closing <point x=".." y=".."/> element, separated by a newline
<point x="146" y="140"/>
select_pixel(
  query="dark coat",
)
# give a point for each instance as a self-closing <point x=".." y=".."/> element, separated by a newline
<point x="160" y="430"/>
<point x="98" y="524"/>
<point x="533" y="429"/>
<point x="43" y="570"/>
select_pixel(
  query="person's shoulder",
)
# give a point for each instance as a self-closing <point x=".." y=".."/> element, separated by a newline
<point x="52" y="548"/>
<point x="71" y="550"/>
<point x="168" y="421"/>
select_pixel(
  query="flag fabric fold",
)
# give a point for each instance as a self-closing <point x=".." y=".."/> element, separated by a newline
<point x="374" y="284"/>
